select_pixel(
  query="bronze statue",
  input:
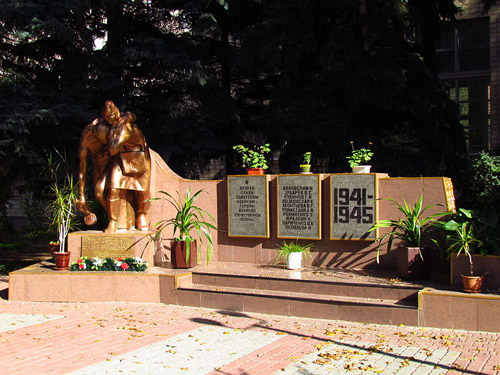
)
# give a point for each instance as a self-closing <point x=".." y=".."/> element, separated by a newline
<point x="121" y="169"/>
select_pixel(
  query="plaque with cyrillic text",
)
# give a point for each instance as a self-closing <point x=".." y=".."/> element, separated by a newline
<point x="353" y="208"/>
<point x="248" y="206"/>
<point x="299" y="206"/>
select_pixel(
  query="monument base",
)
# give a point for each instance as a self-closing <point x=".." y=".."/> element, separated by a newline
<point x="125" y="244"/>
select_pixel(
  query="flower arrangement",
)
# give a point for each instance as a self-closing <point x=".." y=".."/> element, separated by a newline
<point x="108" y="264"/>
<point x="255" y="158"/>
<point x="359" y="157"/>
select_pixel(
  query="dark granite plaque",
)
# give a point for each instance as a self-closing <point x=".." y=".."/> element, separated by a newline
<point x="353" y="208"/>
<point x="299" y="206"/>
<point x="248" y="206"/>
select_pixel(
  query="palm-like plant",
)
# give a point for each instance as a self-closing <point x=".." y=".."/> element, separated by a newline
<point x="460" y="235"/>
<point x="188" y="218"/>
<point x="410" y="228"/>
<point x="63" y="193"/>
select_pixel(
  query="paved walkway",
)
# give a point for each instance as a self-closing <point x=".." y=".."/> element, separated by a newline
<point x="133" y="338"/>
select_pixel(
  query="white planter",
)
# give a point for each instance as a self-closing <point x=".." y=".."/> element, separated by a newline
<point x="361" y="169"/>
<point x="294" y="261"/>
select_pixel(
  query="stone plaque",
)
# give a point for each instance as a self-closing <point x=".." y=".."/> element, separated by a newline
<point x="248" y="206"/>
<point x="103" y="246"/>
<point x="299" y="206"/>
<point x="353" y="208"/>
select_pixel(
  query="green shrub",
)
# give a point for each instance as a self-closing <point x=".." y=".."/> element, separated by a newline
<point x="485" y="180"/>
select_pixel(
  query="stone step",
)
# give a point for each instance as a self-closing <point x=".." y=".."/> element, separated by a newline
<point x="322" y="306"/>
<point x="404" y="293"/>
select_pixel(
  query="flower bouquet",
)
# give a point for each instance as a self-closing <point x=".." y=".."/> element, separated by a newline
<point x="108" y="264"/>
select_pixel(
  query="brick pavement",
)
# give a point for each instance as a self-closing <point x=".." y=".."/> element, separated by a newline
<point x="132" y="338"/>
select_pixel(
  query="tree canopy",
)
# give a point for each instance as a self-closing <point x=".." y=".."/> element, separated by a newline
<point x="203" y="75"/>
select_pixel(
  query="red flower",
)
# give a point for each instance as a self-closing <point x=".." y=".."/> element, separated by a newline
<point x="82" y="266"/>
<point x="124" y="266"/>
<point x="120" y="259"/>
<point x="79" y="261"/>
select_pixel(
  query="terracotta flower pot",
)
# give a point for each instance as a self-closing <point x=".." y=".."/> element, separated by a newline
<point x="472" y="284"/>
<point x="61" y="260"/>
<point x="255" y="171"/>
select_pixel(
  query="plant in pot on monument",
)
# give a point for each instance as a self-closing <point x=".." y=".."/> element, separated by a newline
<point x="413" y="259"/>
<point x="62" y="206"/>
<point x="305" y="167"/>
<point x="358" y="159"/>
<point x="291" y="254"/>
<point x="461" y="239"/>
<point x="254" y="159"/>
<point x="188" y="219"/>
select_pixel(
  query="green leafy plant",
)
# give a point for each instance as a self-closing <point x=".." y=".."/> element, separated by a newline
<point x="255" y="157"/>
<point x="461" y="235"/>
<point x="63" y="197"/>
<point x="410" y="229"/>
<point x="286" y="248"/>
<point x="307" y="158"/>
<point x="188" y="218"/>
<point x="359" y="157"/>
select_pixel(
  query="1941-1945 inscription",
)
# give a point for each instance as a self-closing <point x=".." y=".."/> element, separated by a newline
<point x="299" y="206"/>
<point x="248" y="206"/>
<point x="353" y="206"/>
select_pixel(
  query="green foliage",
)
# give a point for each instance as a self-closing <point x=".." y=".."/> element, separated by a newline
<point x="307" y="158"/>
<point x="479" y="189"/>
<point x="410" y="228"/>
<point x="225" y="74"/>
<point x="359" y="157"/>
<point x="460" y="235"/>
<point x="484" y="180"/>
<point x="61" y="208"/>
<point x="253" y="158"/>
<point x="188" y="218"/>
<point x="286" y="248"/>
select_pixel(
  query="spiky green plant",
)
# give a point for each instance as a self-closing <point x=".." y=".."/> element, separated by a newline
<point x="286" y="248"/>
<point x="410" y="229"/>
<point x="188" y="218"/>
<point x="63" y="197"/>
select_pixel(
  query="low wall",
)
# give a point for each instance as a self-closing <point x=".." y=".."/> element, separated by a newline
<point x="327" y="253"/>
<point x="487" y="266"/>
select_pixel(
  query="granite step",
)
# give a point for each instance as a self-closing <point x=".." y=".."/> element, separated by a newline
<point x="384" y="290"/>
<point x="289" y="303"/>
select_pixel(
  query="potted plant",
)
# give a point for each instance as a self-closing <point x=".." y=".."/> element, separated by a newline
<point x="291" y="253"/>
<point x="254" y="159"/>
<point x="188" y="218"/>
<point x="413" y="259"/>
<point x="305" y="167"/>
<point x="61" y="207"/>
<point x="358" y="159"/>
<point x="461" y="239"/>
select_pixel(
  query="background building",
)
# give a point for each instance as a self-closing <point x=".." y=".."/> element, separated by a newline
<point x="470" y="63"/>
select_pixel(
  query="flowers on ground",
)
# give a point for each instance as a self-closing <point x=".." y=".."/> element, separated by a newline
<point x="108" y="264"/>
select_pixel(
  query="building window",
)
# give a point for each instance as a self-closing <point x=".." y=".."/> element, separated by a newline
<point x="464" y="62"/>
